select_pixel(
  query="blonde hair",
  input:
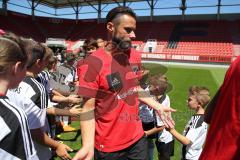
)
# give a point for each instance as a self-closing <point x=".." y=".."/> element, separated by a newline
<point x="52" y="60"/>
<point x="202" y="94"/>
<point x="192" y="90"/>
<point x="159" y="82"/>
<point x="198" y="89"/>
<point x="203" y="90"/>
<point x="203" y="99"/>
<point x="11" y="51"/>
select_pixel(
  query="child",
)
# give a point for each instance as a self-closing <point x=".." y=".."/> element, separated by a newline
<point x="31" y="89"/>
<point x="147" y="116"/>
<point x="89" y="46"/>
<point x="55" y="96"/>
<point x="66" y="75"/>
<point x="15" y="137"/>
<point x="195" y="131"/>
<point x="165" y="142"/>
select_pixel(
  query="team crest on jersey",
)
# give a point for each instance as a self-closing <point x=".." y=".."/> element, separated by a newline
<point x="135" y="69"/>
<point x="114" y="81"/>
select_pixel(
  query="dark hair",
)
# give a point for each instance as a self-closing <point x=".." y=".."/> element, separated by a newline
<point x="70" y="57"/>
<point x="121" y="10"/>
<point x="52" y="60"/>
<point x="11" y="51"/>
<point x="35" y="51"/>
<point x="88" y="43"/>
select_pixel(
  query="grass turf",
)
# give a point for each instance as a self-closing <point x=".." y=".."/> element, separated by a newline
<point x="180" y="78"/>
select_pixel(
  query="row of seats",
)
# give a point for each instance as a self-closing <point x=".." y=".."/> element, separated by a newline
<point x="195" y="48"/>
<point x="191" y="37"/>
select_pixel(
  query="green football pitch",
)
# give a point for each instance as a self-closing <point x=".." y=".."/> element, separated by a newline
<point x="180" y="79"/>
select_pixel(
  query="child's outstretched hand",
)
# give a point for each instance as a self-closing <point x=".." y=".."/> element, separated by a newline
<point x="165" y="115"/>
<point x="75" y="110"/>
<point x="169" y="127"/>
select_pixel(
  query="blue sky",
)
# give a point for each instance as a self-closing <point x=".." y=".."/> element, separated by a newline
<point x="141" y="8"/>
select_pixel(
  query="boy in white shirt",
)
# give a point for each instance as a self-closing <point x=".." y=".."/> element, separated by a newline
<point x="195" y="132"/>
<point x="165" y="142"/>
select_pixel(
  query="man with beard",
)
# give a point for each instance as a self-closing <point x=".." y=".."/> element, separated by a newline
<point x="108" y="81"/>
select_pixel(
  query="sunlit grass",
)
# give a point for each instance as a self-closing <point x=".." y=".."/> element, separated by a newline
<point x="181" y="78"/>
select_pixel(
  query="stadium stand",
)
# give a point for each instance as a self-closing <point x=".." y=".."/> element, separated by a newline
<point x="176" y="40"/>
<point x="86" y="29"/>
<point x="201" y="41"/>
<point x="22" y="25"/>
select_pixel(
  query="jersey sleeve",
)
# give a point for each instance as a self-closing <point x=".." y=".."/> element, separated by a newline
<point x="5" y="130"/>
<point x="88" y="79"/>
<point x="196" y="129"/>
<point x="193" y="134"/>
<point x="137" y="65"/>
<point x="69" y="79"/>
<point x="166" y="102"/>
<point x="36" y="116"/>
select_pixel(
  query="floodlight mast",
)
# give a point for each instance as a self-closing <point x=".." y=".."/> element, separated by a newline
<point x="219" y="9"/>
<point x="183" y="8"/>
<point x="100" y="6"/>
<point x="4" y="6"/>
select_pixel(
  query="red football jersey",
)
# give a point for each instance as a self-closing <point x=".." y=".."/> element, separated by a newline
<point x="223" y="139"/>
<point x="112" y="80"/>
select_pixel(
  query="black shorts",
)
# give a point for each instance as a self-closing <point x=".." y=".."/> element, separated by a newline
<point x="165" y="150"/>
<point x="137" y="151"/>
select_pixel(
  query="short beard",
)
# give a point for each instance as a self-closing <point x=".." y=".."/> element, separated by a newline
<point x="122" y="45"/>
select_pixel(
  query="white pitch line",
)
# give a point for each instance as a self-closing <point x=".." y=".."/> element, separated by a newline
<point x="186" y="64"/>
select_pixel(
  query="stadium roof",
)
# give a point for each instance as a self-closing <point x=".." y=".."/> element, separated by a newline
<point x="85" y="9"/>
<point x="71" y="3"/>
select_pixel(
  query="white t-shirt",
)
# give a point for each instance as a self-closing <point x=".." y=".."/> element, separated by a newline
<point x="164" y="136"/>
<point x="15" y="138"/>
<point x="32" y="89"/>
<point x="58" y="79"/>
<point x="71" y="77"/>
<point x="195" y="131"/>
<point x="44" y="77"/>
<point x="36" y="116"/>
<point x="59" y="57"/>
